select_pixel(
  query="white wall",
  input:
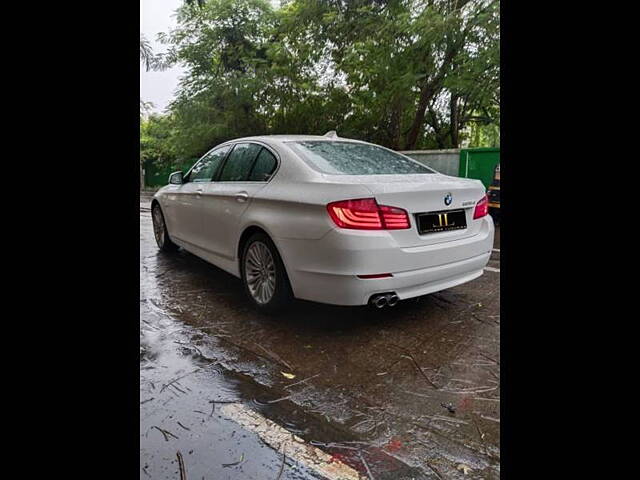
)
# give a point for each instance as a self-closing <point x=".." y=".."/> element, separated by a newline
<point x="443" y="161"/>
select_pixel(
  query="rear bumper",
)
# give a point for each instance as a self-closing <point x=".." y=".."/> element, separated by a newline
<point x="326" y="270"/>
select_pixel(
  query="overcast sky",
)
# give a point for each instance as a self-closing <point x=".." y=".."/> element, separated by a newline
<point x="158" y="16"/>
<point x="158" y="87"/>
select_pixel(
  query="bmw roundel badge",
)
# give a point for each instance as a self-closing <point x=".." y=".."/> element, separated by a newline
<point x="448" y="198"/>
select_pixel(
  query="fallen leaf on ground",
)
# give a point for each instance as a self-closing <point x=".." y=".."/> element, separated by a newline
<point x="393" y="445"/>
<point x="234" y="463"/>
<point x="464" y="468"/>
<point x="288" y="375"/>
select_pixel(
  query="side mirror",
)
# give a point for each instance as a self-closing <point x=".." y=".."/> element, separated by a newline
<point x="175" y="178"/>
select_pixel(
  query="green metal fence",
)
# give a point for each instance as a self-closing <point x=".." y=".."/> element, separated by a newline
<point x="479" y="163"/>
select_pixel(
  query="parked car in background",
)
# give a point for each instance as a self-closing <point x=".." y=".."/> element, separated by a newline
<point x="326" y="219"/>
<point x="494" y="195"/>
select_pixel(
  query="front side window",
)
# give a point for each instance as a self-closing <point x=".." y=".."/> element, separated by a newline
<point x="239" y="163"/>
<point x="203" y="171"/>
<point x="350" y="158"/>
<point x="263" y="168"/>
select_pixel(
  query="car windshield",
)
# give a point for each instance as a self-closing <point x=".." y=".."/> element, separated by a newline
<point x="350" y="158"/>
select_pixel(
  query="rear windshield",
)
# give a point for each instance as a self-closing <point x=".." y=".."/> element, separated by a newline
<point x="349" y="158"/>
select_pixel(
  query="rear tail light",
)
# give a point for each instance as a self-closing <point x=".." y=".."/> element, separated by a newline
<point x="376" y="275"/>
<point x="482" y="208"/>
<point x="366" y="214"/>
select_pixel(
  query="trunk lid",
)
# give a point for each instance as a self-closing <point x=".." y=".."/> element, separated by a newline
<point x="422" y="194"/>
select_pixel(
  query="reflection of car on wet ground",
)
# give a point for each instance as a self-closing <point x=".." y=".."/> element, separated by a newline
<point x="326" y="219"/>
<point x="494" y="194"/>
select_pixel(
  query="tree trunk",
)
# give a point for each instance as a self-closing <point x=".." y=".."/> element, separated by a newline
<point x="426" y="94"/>
<point x="396" y="117"/>
<point x="454" y="121"/>
<point x="437" y="129"/>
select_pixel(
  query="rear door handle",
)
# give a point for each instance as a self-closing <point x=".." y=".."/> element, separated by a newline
<point x="242" y="196"/>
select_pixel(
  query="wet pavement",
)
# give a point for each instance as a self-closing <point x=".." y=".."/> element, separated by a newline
<point x="408" y="392"/>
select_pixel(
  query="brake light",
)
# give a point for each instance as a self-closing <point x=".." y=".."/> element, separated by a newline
<point x="366" y="214"/>
<point x="482" y="208"/>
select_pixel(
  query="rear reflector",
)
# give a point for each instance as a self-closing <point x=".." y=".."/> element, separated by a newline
<point x="366" y="214"/>
<point x="376" y="275"/>
<point x="482" y="208"/>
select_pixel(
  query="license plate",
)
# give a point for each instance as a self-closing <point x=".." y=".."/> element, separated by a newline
<point x="441" y="221"/>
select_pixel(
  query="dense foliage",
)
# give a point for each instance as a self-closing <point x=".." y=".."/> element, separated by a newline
<point x="406" y="74"/>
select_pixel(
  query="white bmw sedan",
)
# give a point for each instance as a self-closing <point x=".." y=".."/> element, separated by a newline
<point x="326" y="219"/>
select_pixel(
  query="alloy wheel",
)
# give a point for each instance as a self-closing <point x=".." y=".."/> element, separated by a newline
<point x="260" y="272"/>
<point x="158" y="226"/>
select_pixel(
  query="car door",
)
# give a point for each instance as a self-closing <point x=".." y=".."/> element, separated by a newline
<point x="185" y="203"/>
<point x="246" y="170"/>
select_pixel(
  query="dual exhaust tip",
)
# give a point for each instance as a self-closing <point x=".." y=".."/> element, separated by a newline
<point x="385" y="300"/>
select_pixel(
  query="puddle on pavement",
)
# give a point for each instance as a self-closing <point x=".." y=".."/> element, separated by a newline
<point x="181" y="389"/>
<point x="176" y="415"/>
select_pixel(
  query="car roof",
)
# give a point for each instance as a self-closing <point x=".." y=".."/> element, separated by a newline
<point x="295" y="138"/>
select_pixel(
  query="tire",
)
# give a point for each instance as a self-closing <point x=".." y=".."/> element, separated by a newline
<point x="264" y="277"/>
<point x="160" y="230"/>
<point x="495" y="214"/>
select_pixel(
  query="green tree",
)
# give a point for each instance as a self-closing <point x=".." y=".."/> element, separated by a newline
<point x="223" y="48"/>
<point x="414" y="70"/>
<point x="146" y="54"/>
<point x="402" y="73"/>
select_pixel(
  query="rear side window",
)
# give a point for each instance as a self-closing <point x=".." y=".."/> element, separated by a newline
<point x="264" y="166"/>
<point x="238" y="165"/>
<point x="349" y="158"/>
<point x="203" y="170"/>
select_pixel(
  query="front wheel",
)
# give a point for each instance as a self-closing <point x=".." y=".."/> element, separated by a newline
<point x="160" y="230"/>
<point x="263" y="274"/>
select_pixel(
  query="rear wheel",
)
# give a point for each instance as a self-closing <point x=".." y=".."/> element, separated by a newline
<point x="160" y="230"/>
<point x="495" y="214"/>
<point x="263" y="274"/>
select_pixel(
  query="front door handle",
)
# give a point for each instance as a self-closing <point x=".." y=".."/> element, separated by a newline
<point x="242" y="196"/>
